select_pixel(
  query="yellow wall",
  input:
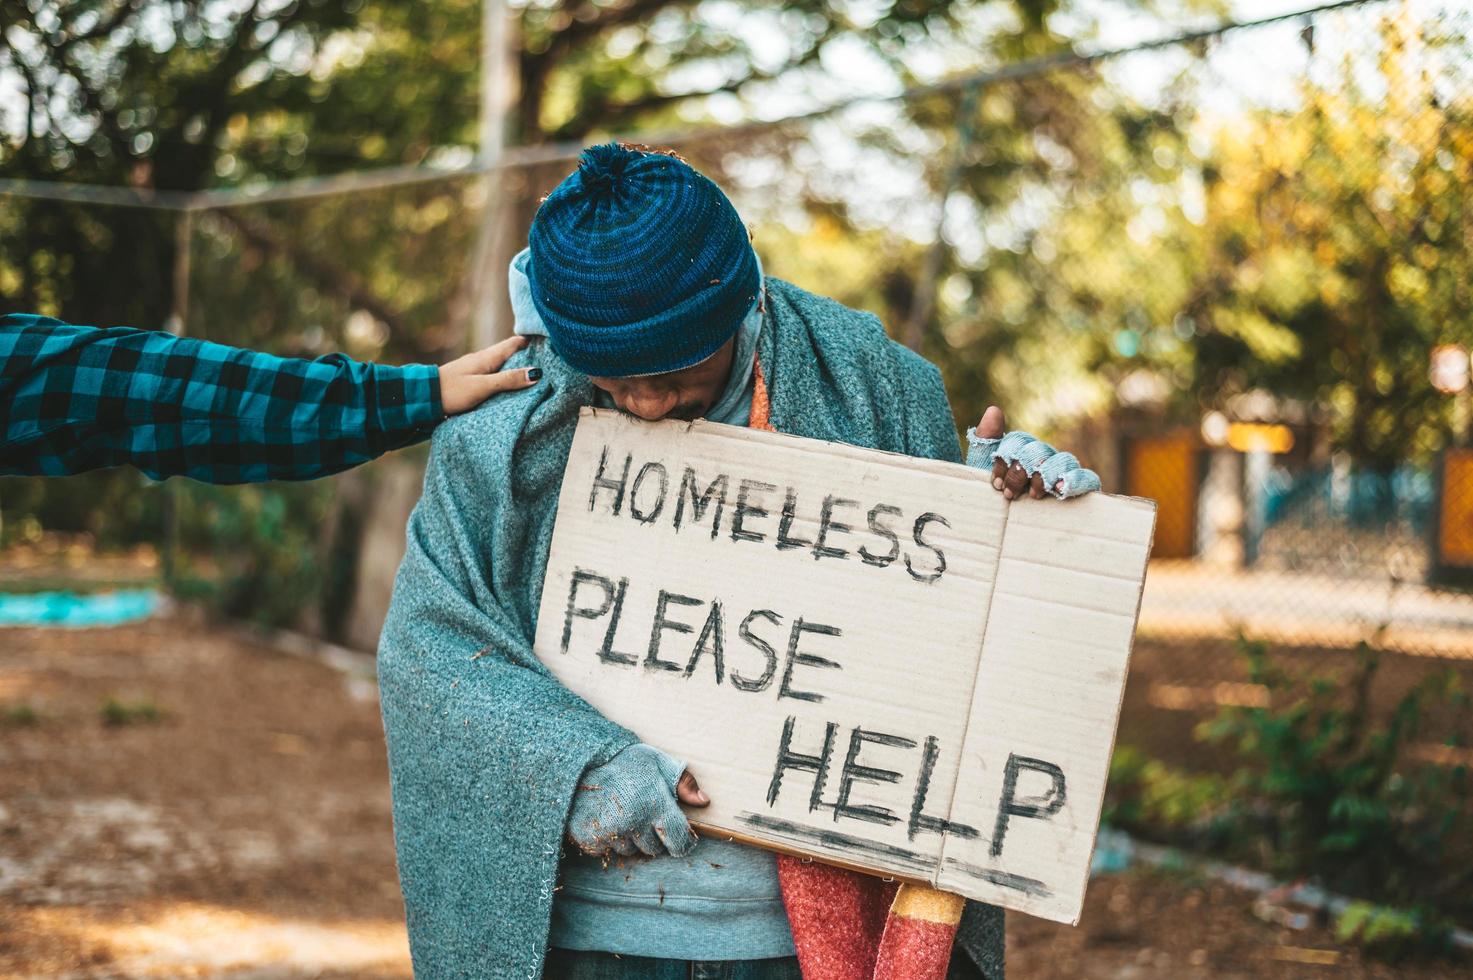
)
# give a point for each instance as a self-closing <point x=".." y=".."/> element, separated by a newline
<point x="1164" y="468"/>
<point x="1455" y="524"/>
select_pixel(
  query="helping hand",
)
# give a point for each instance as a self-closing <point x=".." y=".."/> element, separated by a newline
<point x="467" y="381"/>
<point x="628" y="805"/>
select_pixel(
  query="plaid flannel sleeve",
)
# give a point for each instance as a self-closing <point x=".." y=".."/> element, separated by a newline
<point x="78" y="398"/>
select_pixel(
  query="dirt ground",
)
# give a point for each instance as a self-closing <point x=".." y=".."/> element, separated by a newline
<point x="236" y="825"/>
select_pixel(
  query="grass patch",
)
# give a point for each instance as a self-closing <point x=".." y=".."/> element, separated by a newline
<point x="19" y="716"/>
<point x="116" y="714"/>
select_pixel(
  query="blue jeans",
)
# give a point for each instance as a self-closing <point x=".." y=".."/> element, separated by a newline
<point x="569" y="964"/>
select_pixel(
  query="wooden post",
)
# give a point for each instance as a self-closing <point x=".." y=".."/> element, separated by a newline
<point x="489" y="318"/>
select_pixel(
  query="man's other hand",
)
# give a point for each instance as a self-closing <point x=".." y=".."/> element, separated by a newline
<point x="1022" y="464"/>
<point x="689" y="792"/>
<point x="467" y="381"/>
<point x="628" y="807"/>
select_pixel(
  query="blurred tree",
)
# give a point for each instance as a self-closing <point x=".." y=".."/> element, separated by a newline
<point x="131" y="92"/>
<point x="1042" y="196"/>
<point x="1049" y="265"/>
<point x="1334" y="255"/>
<point x="185" y="96"/>
<point x="1102" y="252"/>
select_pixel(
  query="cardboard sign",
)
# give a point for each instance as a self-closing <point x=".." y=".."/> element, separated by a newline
<point x="867" y="658"/>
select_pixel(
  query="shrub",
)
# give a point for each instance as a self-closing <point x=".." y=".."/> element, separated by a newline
<point x="1147" y="796"/>
<point x="251" y="552"/>
<point x="116" y="714"/>
<point x="1387" y="932"/>
<point x="1338" y="797"/>
<point x="19" y="716"/>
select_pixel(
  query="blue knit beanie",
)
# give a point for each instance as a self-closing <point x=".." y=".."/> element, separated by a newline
<point x="639" y="265"/>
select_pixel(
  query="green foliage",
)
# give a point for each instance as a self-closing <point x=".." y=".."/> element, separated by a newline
<point x="251" y="553"/>
<point x="1344" y="800"/>
<point x="1340" y="798"/>
<point x="19" y="716"/>
<point x="1327" y="272"/>
<point x="118" y="508"/>
<point x="1146" y="794"/>
<point x="1389" y="933"/>
<point x="188" y="96"/>
<point x="117" y="714"/>
<point x="1328" y="790"/>
<point x="1129" y="252"/>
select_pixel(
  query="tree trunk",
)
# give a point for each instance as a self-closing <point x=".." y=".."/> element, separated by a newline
<point x="481" y="312"/>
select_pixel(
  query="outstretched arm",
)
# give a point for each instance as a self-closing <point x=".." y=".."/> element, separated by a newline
<point x="81" y="398"/>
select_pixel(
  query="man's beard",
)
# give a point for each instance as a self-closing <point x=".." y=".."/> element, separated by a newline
<point x="683" y="412"/>
<point x="689" y="411"/>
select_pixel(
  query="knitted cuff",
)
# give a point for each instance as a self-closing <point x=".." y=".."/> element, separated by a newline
<point x="1064" y="477"/>
<point x="980" y="452"/>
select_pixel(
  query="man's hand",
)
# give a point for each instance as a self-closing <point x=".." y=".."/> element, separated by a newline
<point x="467" y="381"/>
<point x="628" y="806"/>
<point x="689" y="792"/>
<point x="1010" y="479"/>
<point x="1022" y="464"/>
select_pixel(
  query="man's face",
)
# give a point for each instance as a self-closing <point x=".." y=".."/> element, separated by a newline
<point x="686" y="394"/>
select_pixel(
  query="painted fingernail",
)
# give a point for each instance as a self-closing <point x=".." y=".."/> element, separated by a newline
<point x="534" y="374"/>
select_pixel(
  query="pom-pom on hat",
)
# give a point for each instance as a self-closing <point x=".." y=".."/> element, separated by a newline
<point x="639" y="265"/>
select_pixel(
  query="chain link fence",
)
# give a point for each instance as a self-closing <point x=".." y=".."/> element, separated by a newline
<point x="1231" y="271"/>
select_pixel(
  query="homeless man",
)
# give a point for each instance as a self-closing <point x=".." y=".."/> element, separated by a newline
<point x="642" y="291"/>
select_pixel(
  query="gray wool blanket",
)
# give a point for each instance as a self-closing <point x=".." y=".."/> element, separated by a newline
<point x="485" y="746"/>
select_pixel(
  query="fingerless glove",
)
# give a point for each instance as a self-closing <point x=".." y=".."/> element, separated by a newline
<point x="1062" y="475"/>
<point x="627" y="806"/>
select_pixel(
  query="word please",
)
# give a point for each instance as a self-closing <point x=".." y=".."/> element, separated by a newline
<point x="755" y="662"/>
<point x="648" y="494"/>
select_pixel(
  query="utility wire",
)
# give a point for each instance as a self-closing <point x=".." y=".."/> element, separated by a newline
<point x="568" y="151"/>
